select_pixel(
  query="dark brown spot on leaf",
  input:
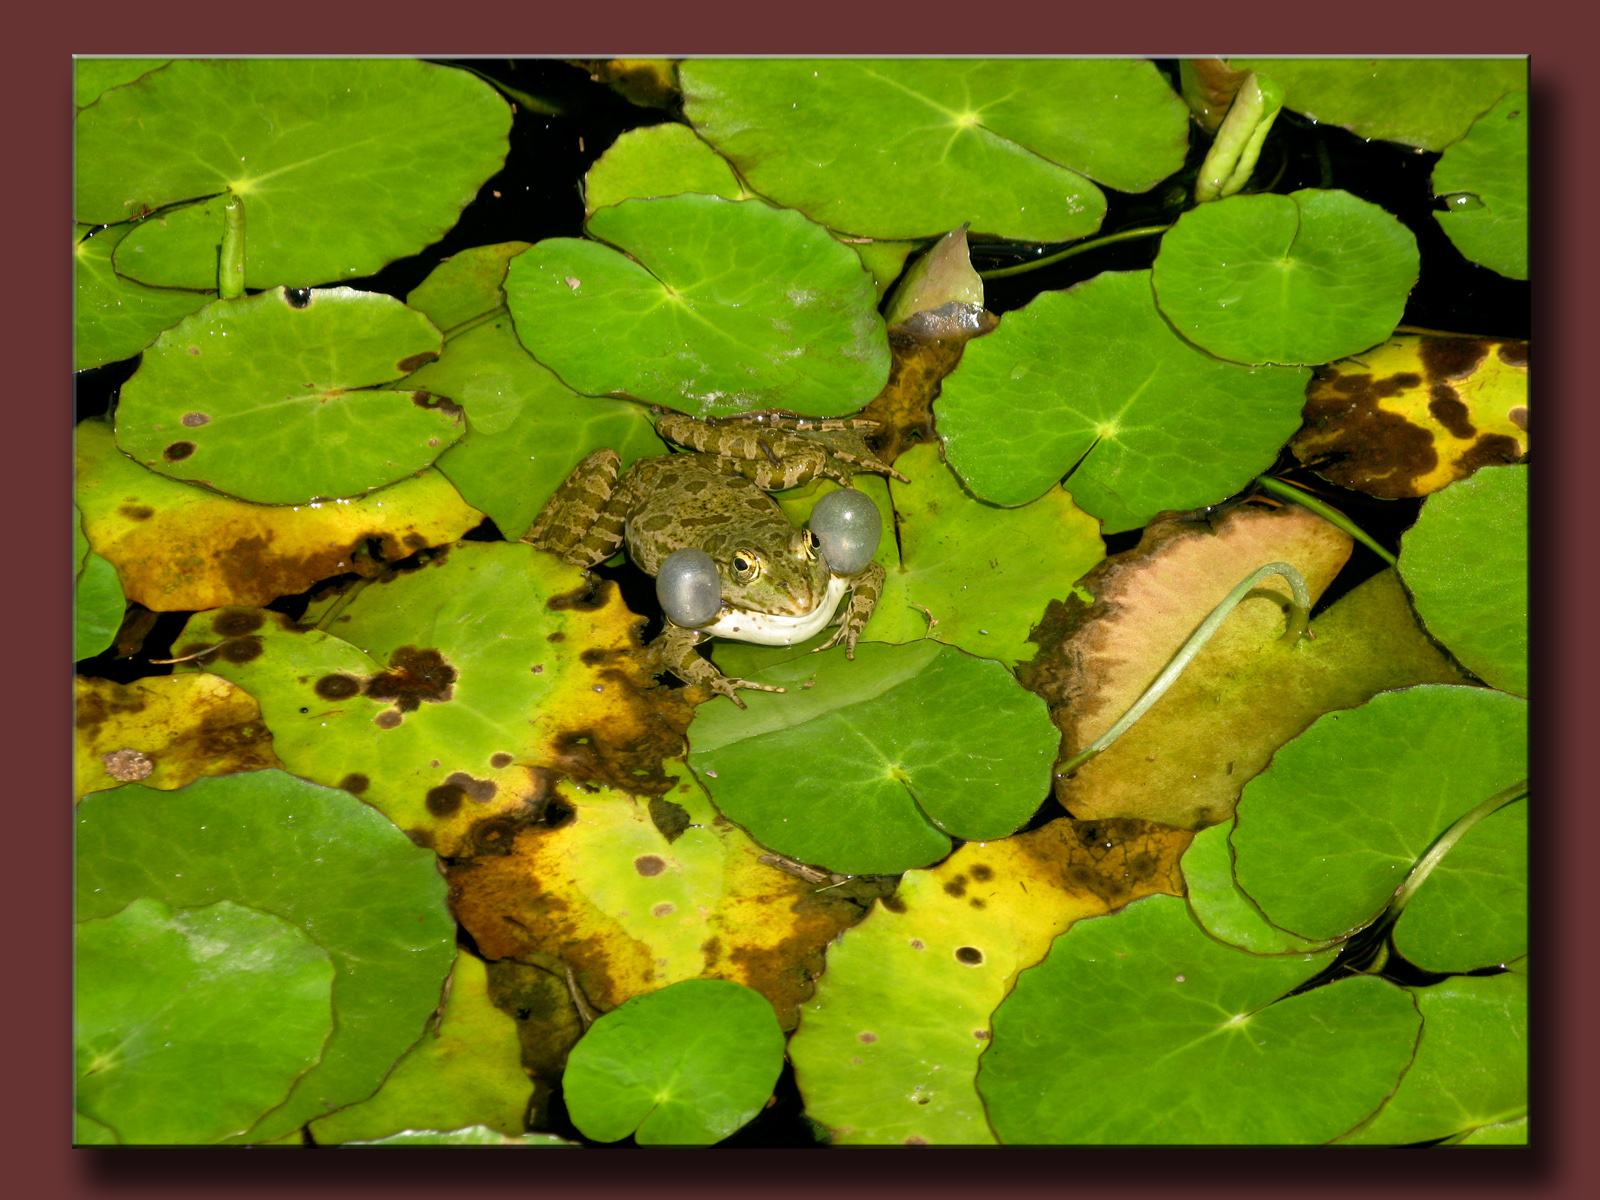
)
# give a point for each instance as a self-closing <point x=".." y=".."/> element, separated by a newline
<point x="649" y="864"/>
<point x="557" y="636"/>
<point x="407" y="365"/>
<point x="178" y="451"/>
<point x="445" y="799"/>
<point x="479" y="791"/>
<point x="194" y="419"/>
<point x="977" y="903"/>
<point x="866" y="1037"/>
<point x="1445" y="404"/>
<point x="1491" y="449"/>
<point x="956" y="886"/>
<point x="1451" y="358"/>
<point x="1518" y="416"/>
<point x="1353" y="442"/>
<point x="355" y="783"/>
<point x="231" y="622"/>
<point x="918" y="944"/>
<point x="982" y="873"/>
<point x="241" y="650"/>
<point x="916" y="1140"/>
<point x="387" y="720"/>
<point x="1514" y="354"/>
<point x="137" y="512"/>
<point x="500" y="759"/>
<point x="970" y="955"/>
<point x="669" y="818"/>
<point x="664" y="909"/>
<point x="894" y="904"/>
<point x="981" y="1034"/>
<point x="414" y="675"/>
<point x="589" y="598"/>
<point x="420" y="837"/>
<point x="337" y="687"/>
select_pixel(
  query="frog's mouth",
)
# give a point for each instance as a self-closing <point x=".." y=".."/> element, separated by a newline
<point x="768" y="629"/>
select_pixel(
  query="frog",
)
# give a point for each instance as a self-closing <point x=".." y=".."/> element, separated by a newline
<point x="701" y="520"/>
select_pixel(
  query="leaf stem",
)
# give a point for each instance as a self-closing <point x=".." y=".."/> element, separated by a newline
<point x="1298" y="615"/>
<point x="1327" y="512"/>
<point x="230" y="263"/>
<point x="1446" y="843"/>
<point x="1126" y="235"/>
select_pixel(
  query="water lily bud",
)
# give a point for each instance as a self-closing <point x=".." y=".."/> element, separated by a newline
<point x="848" y="526"/>
<point x="689" y="588"/>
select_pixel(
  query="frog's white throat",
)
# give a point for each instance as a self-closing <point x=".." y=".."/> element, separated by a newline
<point x="767" y="630"/>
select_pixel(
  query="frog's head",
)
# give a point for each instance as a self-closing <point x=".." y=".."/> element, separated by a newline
<point x="783" y="577"/>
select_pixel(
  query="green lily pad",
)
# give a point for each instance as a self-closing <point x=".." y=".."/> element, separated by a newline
<point x="315" y="147"/>
<point x="919" y="741"/>
<point x="658" y="160"/>
<point x="1336" y="821"/>
<point x="1466" y="563"/>
<point x="93" y="76"/>
<point x="191" y="1025"/>
<point x="1507" y="1133"/>
<point x="465" y="1071"/>
<point x="1139" y="1028"/>
<point x="270" y="398"/>
<point x="1222" y="907"/>
<point x="723" y="306"/>
<point x="453" y="691"/>
<point x="1303" y="278"/>
<point x="1471" y="1068"/>
<point x="1484" y="180"/>
<point x="90" y="1133"/>
<point x="1472" y="911"/>
<point x="98" y="603"/>
<point x="1423" y="102"/>
<point x="958" y="571"/>
<point x="685" y="1066"/>
<point x="910" y="148"/>
<point x="115" y="318"/>
<point x="526" y="430"/>
<point x="472" y="1135"/>
<point x="312" y="856"/>
<point x="1092" y="381"/>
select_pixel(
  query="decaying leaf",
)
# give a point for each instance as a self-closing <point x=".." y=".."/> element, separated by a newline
<point x="181" y="548"/>
<point x="629" y="908"/>
<point x="456" y="694"/>
<point x="1416" y="413"/>
<point x="888" y="1050"/>
<point x="165" y="731"/>
<point x="1247" y="692"/>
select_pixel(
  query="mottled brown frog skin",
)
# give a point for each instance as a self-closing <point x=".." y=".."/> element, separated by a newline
<point x="714" y="498"/>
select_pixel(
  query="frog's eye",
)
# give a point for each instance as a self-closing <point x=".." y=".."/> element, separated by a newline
<point x="847" y="526"/>
<point x="746" y="566"/>
<point x="689" y="588"/>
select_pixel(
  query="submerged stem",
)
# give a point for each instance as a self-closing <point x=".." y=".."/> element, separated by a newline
<point x="1299" y="613"/>
<point x="1446" y="843"/>
<point x="1327" y="512"/>
<point x="1125" y="236"/>
<point x="230" y="263"/>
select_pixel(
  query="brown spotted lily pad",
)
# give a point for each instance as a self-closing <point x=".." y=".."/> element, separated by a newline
<point x="454" y="695"/>
<point x="1416" y="413"/>
<point x="888" y="1050"/>
<point x="166" y="731"/>
<point x="632" y="896"/>
<point x="182" y="548"/>
<point x="1247" y="692"/>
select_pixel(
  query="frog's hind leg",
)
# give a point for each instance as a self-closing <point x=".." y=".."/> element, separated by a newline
<point x="583" y="522"/>
<point x="766" y="452"/>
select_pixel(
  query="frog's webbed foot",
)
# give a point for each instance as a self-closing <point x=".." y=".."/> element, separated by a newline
<point x="864" y="593"/>
<point x="676" y="646"/>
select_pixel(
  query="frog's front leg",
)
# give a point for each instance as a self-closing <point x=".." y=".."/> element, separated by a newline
<point x="864" y="592"/>
<point x="583" y="522"/>
<point x="676" y="647"/>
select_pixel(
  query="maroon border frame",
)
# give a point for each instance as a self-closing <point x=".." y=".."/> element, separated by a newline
<point x="35" y="1127"/>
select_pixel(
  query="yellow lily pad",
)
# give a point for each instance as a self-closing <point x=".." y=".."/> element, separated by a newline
<point x="166" y="731"/>
<point x="604" y="891"/>
<point x="1416" y="413"/>
<point x="182" y="548"/>
<point x="887" y="1052"/>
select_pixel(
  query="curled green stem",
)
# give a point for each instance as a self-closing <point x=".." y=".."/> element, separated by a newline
<point x="230" y="263"/>
<point x="1446" y="843"/>
<point x="1127" y="235"/>
<point x="1299" y="613"/>
<point x="1327" y="512"/>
